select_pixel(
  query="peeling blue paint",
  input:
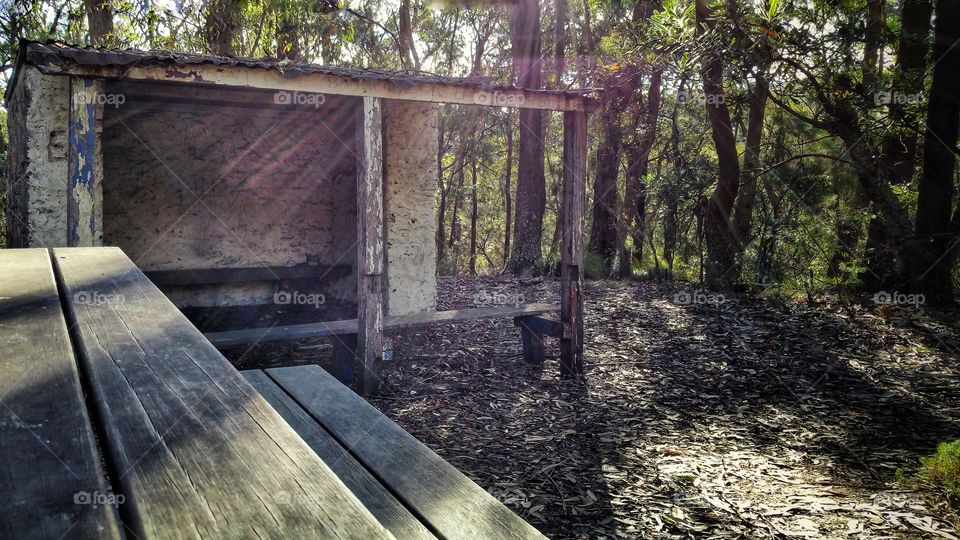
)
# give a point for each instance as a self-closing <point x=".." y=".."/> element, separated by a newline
<point x="82" y="143"/>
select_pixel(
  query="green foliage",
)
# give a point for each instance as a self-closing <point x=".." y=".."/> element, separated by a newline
<point x="594" y="267"/>
<point x="941" y="471"/>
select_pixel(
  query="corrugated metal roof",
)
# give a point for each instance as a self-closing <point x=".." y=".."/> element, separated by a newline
<point x="58" y="53"/>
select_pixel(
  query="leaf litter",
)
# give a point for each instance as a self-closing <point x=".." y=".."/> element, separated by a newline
<point x="752" y="418"/>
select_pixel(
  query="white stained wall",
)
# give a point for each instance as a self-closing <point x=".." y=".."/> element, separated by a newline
<point x="410" y="177"/>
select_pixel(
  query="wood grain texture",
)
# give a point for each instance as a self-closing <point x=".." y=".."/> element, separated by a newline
<point x="370" y="240"/>
<point x="198" y="453"/>
<point x="48" y="460"/>
<point x="571" y="273"/>
<point x="383" y="505"/>
<point x="453" y="505"/>
<point x="349" y="326"/>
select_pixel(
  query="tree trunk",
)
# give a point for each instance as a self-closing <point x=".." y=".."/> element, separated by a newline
<point x="932" y="271"/>
<point x="100" y="22"/>
<point x="603" y="230"/>
<point x="562" y="13"/>
<point x="743" y="208"/>
<point x="221" y="25"/>
<point x="405" y="36"/>
<point x="900" y="145"/>
<point x="473" y="218"/>
<point x="442" y="210"/>
<point x="885" y="266"/>
<point x="638" y="154"/>
<point x="531" y="199"/>
<point x="459" y="170"/>
<point x="721" y="244"/>
<point x="872" y="43"/>
<point x="507" y="192"/>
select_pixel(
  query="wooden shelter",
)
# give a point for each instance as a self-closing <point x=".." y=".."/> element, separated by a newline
<point x="229" y="180"/>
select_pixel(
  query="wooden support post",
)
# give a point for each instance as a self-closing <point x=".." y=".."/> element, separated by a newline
<point x="344" y="357"/>
<point x="533" y="330"/>
<point x="532" y="345"/>
<point x="85" y="163"/>
<point x="370" y="250"/>
<point x="571" y="298"/>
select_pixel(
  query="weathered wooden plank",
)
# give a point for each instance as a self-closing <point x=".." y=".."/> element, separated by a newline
<point x="349" y="326"/>
<point x="539" y="325"/>
<point x="198" y="453"/>
<point x="427" y="318"/>
<point x="450" y="503"/>
<point x="381" y="503"/>
<point x="370" y="248"/>
<point x="291" y="332"/>
<point x="571" y="273"/>
<point x="48" y="459"/>
<point x="85" y="163"/>
<point x="210" y="276"/>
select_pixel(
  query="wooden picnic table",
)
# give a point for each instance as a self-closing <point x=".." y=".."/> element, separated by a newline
<point x="119" y="419"/>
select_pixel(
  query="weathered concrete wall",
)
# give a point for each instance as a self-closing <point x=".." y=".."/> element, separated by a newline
<point x="195" y="185"/>
<point x="199" y="185"/>
<point x="410" y="176"/>
<point x="37" y="118"/>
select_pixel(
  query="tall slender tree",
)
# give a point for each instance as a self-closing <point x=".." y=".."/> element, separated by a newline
<point x="527" y="253"/>
<point x="936" y="192"/>
<point x="719" y="236"/>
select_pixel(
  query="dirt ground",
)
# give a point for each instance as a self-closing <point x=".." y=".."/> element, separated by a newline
<point x="740" y="418"/>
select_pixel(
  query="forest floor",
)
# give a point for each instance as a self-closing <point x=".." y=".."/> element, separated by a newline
<point x="746" y="418"/>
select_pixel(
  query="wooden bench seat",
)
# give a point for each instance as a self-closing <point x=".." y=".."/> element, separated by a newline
<point x="412" y="490"/>
<point x="48" y="460"/>
<point x="534" y="328"/>
<point x="349" y="326"/>
<point x="381" y="503"/>
<point x="194" y="449"/>
<point x="221" y="276"/>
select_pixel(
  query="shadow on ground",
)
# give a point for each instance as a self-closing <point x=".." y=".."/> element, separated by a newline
<point x="749" y="418"/>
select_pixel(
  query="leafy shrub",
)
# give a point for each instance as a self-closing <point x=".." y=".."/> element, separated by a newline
<point x="594" y="266"/>
<point x="941" y="471"/>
